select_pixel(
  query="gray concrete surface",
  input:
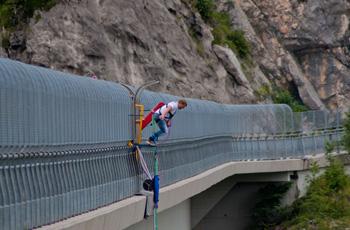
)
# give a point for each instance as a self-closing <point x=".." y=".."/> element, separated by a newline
<point x="234" y="209"/>
<point x="128" y="212"/>
<point x="175" y="218"/>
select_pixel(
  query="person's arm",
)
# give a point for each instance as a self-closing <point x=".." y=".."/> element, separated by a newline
<point x="167" y="110"/>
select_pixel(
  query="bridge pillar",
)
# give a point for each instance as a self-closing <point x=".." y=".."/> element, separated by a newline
<point x="228" y="205"/>
<point x="175" y="218"/>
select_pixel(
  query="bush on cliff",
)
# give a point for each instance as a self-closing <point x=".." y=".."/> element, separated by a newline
<point x="16" y="12"/>
<point x="222" y="30"/>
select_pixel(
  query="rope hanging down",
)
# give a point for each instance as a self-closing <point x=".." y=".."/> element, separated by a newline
<point x="155" y="184"/>
<point x="150" y="184"/>
<point x="143" y="163"/>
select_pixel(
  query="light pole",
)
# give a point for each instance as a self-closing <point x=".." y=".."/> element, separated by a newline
<point x="135" y="105"/>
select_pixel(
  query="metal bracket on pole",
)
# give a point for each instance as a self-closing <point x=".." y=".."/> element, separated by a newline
<point x="135" y="105"/>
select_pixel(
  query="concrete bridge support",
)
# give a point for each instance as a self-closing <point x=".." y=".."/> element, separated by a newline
<point x="226" y="205"/>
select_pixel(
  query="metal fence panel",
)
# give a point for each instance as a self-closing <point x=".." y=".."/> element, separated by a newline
<point x="63" y="142"/>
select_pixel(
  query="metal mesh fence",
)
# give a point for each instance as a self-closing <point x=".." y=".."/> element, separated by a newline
<point x="42" y="107"/>
<point x="63" y="142"/>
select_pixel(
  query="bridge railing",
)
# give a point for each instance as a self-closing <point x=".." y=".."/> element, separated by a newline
<point x="63" y="142"/>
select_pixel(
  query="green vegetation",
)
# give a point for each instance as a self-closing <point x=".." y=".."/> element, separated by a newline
<point x="264" y="91"/>
<point x="285" y="97"/>
<point x="205" y="8"/>
<point x="222" y="31"/>
<point x="5" y="40"/>
<point x="330" y="146"/>
<point x="267" y="210"/>
<point x="16" y="12"/>
<point x="326" y="204"/>
<point x="280" y="96"/>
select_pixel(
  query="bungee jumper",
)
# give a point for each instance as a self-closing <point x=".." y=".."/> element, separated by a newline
<point x="162" y="117"/>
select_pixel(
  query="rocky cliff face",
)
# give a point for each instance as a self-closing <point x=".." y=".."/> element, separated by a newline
<point x="301" y="45"/>
<point x="312" y="35"/>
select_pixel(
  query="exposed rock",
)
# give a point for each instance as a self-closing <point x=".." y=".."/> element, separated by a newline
<point x="316" y="32"/>
<point x="18" y="40"/>
<point x="3" y="52"/>
<point x="302" y="44"/>
<point x="305" y="88"/>
<point x="231" y="64"/>
<point x="134" y="42"/>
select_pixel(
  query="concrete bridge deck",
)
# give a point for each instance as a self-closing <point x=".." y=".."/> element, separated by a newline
<point x="130" y="211"/>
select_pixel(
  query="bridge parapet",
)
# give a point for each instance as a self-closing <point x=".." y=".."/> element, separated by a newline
<point x="63" y="142"/>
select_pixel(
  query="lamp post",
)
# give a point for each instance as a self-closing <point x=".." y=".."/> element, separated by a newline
<point x="135" y="105"/>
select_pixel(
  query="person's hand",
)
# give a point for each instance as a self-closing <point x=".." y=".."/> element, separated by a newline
<point x="168" y="123"/>
<point x="162" y="117"/>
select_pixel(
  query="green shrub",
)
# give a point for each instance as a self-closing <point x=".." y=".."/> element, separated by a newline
<point x="326" y="204"/>
<point x="314" y="169"/>
<point x="329" y="147"/>
<point x="205" y="8"/>
<point x="237" y="39"/>
<point x="224" y="35"/>
<point x="15" y="12"/>
<point x="222" y="31"/>
<point x="267" y="211"/>
<point x="6" y="15"/>
<point x="264" y="91"/>
<point x="285" y="97"/>
<point x="326" y="201"/>
<point x="335" y="176"/>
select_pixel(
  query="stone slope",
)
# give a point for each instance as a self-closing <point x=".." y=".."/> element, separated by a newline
<point x="300" y="45"/>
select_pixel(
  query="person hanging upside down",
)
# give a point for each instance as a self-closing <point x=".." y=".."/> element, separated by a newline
<point x="163" y="118"/>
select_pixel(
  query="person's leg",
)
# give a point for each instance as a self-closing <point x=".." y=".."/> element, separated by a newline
<point x="162" y="129"/>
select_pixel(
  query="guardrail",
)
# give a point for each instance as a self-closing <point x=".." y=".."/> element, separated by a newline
<point x="63" y="142"/>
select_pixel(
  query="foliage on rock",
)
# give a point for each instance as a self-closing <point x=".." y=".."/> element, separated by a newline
<point x="285" y="97"/>
<point x="222" y="30"/>
<point x="15" y="12"/>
